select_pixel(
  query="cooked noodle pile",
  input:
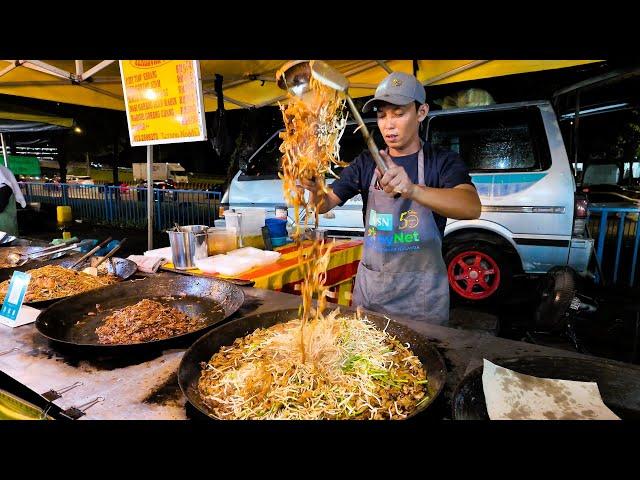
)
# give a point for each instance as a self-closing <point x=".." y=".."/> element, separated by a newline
<point x="352" y="370"/>
<point x="310" y="146"/>
<point x="146" y="321"/>
<point x="52" y="281"/>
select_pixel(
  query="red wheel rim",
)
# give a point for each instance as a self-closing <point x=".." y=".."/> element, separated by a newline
<point x="474" y="275"/>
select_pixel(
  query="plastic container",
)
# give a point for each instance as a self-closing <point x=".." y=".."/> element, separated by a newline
<point x="279" y="241"/>
<point x="63" y="214"/>
<point x="252" y="218"/>
<point x="277" y="227"/>
<point x="245" y="252"/>
<point x="257" y="256"/>
<point x="248" y="222"/>
<point x="221" y="240"/>
<point x="226" y="265"/>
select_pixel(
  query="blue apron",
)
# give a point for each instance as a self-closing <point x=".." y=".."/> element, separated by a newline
<point x="402" y="271"/>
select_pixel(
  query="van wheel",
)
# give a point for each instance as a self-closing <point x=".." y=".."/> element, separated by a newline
<point x="478" y="271"/>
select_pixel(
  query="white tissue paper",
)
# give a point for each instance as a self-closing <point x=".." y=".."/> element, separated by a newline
<point x="164" y="253"/>
<point x="511" y="395"/>
<point x="147" y="264"/>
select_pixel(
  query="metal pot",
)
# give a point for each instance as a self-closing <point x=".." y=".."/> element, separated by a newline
<point x="188" y="245"/>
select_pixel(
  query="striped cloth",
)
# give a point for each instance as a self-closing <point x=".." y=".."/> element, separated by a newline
<point x="284" y="273"/>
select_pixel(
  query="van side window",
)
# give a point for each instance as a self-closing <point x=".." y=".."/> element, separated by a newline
<point x="601" y="174"/>
<point x="507" y="140"/>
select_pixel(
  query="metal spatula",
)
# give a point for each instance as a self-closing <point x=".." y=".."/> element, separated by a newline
<point x="19" y="260"/>
<point x="90" y="253"/>
<point x="94" y="270"/>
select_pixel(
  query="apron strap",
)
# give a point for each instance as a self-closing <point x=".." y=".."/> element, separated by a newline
<point x="421" y="164"/>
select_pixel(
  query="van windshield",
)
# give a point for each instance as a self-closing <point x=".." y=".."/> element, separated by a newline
<point x="266" y="163"/>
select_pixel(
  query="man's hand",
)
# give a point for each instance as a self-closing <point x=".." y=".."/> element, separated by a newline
<point x="325" y="200"/>
<point x="311" y="185"/>
<point x="317" y="194"/>
<point x="396" y="179"/>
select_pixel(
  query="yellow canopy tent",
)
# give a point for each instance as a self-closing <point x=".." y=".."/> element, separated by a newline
<point x="247" y="83"/>
<point x="33" y="119"/>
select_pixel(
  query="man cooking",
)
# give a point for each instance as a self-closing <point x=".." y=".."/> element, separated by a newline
<point x="402" y="271"/>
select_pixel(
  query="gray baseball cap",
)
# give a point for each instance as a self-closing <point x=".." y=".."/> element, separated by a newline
<point x="398" y="88"/>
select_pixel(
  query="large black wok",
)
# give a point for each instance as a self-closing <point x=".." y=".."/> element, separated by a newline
<point x="67" y="323"/>
<point x="618" y="384"/>
<point x="120" y="267"/>
<point x="224" y="335"/>
<point x="6" y="271"/>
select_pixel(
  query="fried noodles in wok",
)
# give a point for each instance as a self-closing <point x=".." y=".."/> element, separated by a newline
<point x="353" y="370"/>
<point x="52" y="281"/>
<point x="146" y="321"/>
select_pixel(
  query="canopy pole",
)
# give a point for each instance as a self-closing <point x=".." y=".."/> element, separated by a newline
<point x="149" y="198"/>
<point x="4" y="150"/>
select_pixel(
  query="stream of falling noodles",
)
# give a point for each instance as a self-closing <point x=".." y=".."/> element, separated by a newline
<point x="310" y="147"/>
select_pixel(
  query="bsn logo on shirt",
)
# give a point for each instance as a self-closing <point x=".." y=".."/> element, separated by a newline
<point x="381" y="221"/>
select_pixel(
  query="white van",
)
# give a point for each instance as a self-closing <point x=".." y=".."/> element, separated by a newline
<point x="531" y="218"/>
<point x="79" y="180"/>
<point x="257" y="184"/>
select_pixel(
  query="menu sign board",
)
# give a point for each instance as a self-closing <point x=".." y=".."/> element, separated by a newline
<point x="164" y="101"/>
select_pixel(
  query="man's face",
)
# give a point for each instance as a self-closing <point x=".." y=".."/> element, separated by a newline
<point x="399" y="123"/>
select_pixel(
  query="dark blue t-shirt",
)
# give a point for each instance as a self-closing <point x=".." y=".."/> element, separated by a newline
<point x="442" y="169"/>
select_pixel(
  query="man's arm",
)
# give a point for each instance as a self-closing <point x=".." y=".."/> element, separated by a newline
<point x="460" y="202"/>
<point x="341" y="190"/>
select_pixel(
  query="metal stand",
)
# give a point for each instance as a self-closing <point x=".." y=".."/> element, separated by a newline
<point x="150" y="196"/>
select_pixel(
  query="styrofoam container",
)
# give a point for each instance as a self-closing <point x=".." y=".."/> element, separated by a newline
<point x="261" y="257"/>
<point x="245" y="252"/>
<point x="225" y="265"/>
